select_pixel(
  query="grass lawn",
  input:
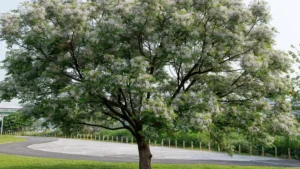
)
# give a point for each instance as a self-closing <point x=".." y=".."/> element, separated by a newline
<point x="9" y="139"/>
<point x="19" y="162"/>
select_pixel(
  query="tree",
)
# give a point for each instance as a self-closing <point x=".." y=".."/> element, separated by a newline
<point x="17" y="122"/>
<point x="148" y="66"/>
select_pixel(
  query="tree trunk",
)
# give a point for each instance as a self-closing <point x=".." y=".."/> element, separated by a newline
<point x="144" y="153"/>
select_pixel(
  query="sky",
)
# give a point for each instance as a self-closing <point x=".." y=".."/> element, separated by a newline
<point x="6" y="6"/>
<point x="284" y="13"/>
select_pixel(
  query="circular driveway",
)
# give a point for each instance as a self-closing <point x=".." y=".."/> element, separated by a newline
<point x="106" y="151"/>
<point x="109" y="149"/>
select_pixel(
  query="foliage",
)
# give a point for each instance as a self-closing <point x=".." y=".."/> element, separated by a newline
<point x="151" y="67"/>
<point x="17" y="122"/>
<point x="118" y="133"/>
<point x="11" y="161"/>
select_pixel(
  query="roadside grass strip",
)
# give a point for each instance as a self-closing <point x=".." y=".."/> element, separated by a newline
<point x="21" y="162"/>
<point x="10" y="139"/>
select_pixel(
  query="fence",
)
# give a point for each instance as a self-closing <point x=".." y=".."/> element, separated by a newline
<point x="240" y="149"/>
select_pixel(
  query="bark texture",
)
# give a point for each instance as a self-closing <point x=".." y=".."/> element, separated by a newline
<point x="144" y="154"/>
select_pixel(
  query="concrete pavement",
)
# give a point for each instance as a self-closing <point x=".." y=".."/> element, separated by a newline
<point x="117" y="152"/>
<point x="109" y="149"/>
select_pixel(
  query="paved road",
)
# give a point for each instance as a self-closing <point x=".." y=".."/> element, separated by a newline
<point x="115" y="152"/>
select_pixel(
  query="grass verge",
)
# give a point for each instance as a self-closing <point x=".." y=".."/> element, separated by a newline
<point x="10" y="139"/>
<point x="15" y="162"/>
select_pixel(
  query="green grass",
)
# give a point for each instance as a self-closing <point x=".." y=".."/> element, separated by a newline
<point x="15" y="162"/>
<point x="9" y="139"/>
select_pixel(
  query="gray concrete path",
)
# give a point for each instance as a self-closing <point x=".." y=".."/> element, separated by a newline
<point x="117" y="152"/>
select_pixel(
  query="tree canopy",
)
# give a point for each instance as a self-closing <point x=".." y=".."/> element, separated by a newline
<point x="149" y="66"/>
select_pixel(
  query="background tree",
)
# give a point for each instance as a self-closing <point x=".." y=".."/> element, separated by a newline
<point x="148" y="66"/>
<point x="295" y="99"/>
<point x="17" y="122"/>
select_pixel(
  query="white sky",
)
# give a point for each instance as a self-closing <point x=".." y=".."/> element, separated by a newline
<point x="284" y="13"/>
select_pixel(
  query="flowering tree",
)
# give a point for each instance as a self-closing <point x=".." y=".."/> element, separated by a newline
<point x="147" y="66"/>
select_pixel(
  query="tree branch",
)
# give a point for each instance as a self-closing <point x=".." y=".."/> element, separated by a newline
<point x="251" y="27"/>
<point x="123" y="95"/>
<point x="131" y="101"/>
<point x="189" y="74"/>
<point x="228" y="93"/>
<point x="234" y="101"/>
<point x="102" y="126"/>
<point x="75" y="61"/>
<point x="236" y="80"/>
<point x="124" y="115"/>
<point x="242" y="53"/>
